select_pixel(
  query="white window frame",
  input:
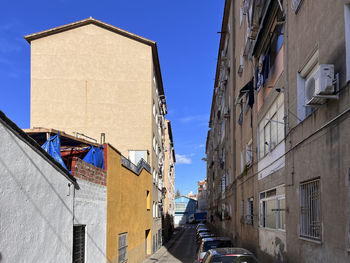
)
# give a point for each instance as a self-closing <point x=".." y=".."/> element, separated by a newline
<point x="249" y="153"/>
<point x="154" y="109"/>
<point x="277" y="211"/>
<point x="271" y="119"/>
<point x="302" y="76"/>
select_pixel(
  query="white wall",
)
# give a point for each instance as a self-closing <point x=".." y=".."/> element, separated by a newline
<point x="272" y="162"/>
<point x="36" y="219"/>
<point x="90" y="209"/>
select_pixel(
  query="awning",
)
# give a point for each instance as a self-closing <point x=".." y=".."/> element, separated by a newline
<point x="262" y="24"/>
<point x="246" y="88"/>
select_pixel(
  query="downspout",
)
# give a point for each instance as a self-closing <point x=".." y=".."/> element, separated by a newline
<point x="287" y="71"/>
<point x="286" y="31"/>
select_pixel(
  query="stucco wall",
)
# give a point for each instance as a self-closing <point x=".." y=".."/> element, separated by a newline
<point x="36" y="205"/>
<point x="91" y="80"/>
<point x="273" y="243"/>
<point x="126" y="208"/>
<point x="90" y="209"/>
<point x="319" y="25"/>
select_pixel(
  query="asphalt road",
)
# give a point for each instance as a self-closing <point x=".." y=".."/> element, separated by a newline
<point x="182" y="249"/>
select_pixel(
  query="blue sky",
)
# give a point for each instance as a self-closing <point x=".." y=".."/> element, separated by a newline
<point x="187" y="38"/>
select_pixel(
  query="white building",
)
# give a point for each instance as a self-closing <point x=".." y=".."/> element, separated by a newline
<point x="45" y="215"/>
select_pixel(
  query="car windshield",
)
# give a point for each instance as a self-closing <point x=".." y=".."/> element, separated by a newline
<point x="233" y="259"/>
<point x="216" y="244"/>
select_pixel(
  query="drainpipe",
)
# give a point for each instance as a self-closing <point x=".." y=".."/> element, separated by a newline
<point x="287" y="70"/>
<point x="286" y="31"/>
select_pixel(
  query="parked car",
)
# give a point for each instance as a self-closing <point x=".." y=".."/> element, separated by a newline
<point x="200" y="224"/>
<point x="202" y="230"/>
<point x="204" y="235"/>
<point x="229" y="255"/>
<point x="212" y="243"/>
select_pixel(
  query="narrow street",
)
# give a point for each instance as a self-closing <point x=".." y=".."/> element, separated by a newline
<point x="182" y="247"/>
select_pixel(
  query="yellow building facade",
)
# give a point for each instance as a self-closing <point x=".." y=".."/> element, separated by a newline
<point x="129" y="210"/>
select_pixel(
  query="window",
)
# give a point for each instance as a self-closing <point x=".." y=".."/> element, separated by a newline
<point x="242" y="211"/>
<point x="310" y="216"/>
<point x="122" y="247"/>
<point x="271" y="127"/>
<point x="240" y="15"/>
<point x="78" y="243"/>
<point x="296" y="5"/>
<point x="250" y="202"/>
<point x="222" y="131"/>
<point x="159" y="237"/>
<point x="154" y="110"/>
<point x="249" y="153"/>
<point x="148" y="200"/>
<point x="154" y="142"/>
<point x="154" y="175"/>
<point x="272" y="208"/>
<point x="347" y="39"/>
<point x="302" y="77"/>
<point x="223" y="183"/>
<point x="136" y="156"/>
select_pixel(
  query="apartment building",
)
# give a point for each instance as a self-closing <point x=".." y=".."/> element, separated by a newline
<point x="202" y="196"/>
<point x="168" y="189"/>
<point x="318" y="131"/>
<point x="93" y="79"/>
<point x="220" y="143"/>
<point x="289" y="130"/>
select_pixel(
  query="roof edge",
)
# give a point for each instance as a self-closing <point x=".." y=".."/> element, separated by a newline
<point x="109" y="27"/>
<point x="36" y="147"/>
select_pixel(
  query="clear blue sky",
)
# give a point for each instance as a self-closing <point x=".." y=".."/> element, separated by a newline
<point x="186" y="33"/>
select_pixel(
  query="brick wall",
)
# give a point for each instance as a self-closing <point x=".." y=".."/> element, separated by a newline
<point x="88" y="172"/>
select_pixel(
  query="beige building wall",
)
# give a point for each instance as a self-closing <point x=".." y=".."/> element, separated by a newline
<point x="91" y="80"/>
<point x="90" y="77"/>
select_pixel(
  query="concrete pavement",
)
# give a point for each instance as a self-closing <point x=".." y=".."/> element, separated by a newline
<point x="181" y="248"/>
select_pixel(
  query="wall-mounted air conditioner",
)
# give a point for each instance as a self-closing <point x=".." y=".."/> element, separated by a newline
<point x="320" y="85"/>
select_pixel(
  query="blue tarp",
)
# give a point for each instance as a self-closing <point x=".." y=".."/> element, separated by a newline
<point x="95" y="157"/>
<point x="53" y="147"/>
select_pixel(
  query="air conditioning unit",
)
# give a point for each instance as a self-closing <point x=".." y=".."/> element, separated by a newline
<point x="319" y="85"/>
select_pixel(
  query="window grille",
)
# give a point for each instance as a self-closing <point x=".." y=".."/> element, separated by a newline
<point x="250" y="202"/>
<point x="310" y="223"/>
<point x="79" y="244"/>
<point x="122" y="247"/>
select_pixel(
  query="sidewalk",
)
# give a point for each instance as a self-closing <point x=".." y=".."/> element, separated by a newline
<point x="160" y="252"/>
